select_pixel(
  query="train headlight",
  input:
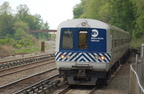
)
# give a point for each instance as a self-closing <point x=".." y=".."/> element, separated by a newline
<point x="62" y="56"/>
<point x="102" y="57"/>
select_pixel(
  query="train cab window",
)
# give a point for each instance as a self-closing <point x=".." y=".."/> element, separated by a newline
<point x="67" y="39"/>
<point x="83" y="40"/>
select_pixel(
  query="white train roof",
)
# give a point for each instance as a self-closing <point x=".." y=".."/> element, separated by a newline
<point x="87" y="23"/>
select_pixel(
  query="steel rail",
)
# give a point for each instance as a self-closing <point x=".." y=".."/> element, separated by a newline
<point x="25" y="89"/>
<point x="65" y="90"/>
<point x="24" y="61"/>
<point x="26" y="69"/>
<point x="26" y="58"/>
<point x="93" y="90"/>
<point x="5" y="85"/>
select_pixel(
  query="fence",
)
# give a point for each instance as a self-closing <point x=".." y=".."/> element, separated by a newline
<point x="137" y="75"/>
<point x="135" y="82"/>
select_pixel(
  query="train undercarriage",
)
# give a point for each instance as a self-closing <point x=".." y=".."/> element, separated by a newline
<point x="81" y="75"/>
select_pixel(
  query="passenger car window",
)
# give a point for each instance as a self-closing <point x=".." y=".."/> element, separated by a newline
<point x="83" y="40"/>
<point x="67" y="39"/>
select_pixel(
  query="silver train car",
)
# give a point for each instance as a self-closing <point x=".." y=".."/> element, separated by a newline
<point x="88" y="50"/>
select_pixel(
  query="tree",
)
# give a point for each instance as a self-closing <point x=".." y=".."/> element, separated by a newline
<point x="79" y="9"/>
<point x="45" y="26"/>
<point x="22" y="12"/>
<point x="6" y="24"/>
<point x="5" y="8"/>
<point x="122" y="14"/>
<point x="22" y="25"/>
<point x="6" y="20"/>
<point x="94" y="9"/>
<point x="34" y="22"/>
<point x="138" y="7"/>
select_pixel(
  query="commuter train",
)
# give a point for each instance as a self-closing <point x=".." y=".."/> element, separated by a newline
<point x="88" y="50"/>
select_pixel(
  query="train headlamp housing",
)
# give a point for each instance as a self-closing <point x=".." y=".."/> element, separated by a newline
<point x="62" y="56"/>
<point x="102" y="57"/>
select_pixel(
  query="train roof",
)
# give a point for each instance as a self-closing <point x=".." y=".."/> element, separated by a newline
<point x="84" y="23"/>
<point x="88" y="23"/>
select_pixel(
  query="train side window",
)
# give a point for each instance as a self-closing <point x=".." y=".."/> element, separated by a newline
<point x="115" y="43"/>
<point x="121" y="41"/>
<point x="118" y="42"/>
<point x="112" y="43"/>
<point x="83" y="40"/>
<point x="67" y="39"/>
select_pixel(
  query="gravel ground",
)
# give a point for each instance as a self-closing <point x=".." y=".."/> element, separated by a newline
<point x="120" y="83"/>
<point x="22" y="74"/>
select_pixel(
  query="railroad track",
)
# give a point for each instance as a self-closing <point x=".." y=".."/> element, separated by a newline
<point x="41" y="87"/>
<point x="16" y="74"/>
<point x="27" y="81"/>
<point x="10" y="76"/>
<point x="78" y="90"/>
<point x="7" y="64"/>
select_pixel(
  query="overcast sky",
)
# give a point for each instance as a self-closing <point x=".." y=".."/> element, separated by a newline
<point x="52" y="11"/>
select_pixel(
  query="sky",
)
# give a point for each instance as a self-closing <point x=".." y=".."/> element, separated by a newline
<point x="52" y="11"/>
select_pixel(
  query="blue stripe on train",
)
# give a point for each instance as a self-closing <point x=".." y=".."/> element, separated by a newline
<point x="82" y="57"/>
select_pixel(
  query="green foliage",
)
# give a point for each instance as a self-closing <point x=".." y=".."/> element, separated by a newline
<point x="28" y="50"/>
<point x="5" y="8"/>
<point x="21" y="25"/>
<point x="125" y="14"/>
<point x="14" y="28"/>
<point x="6" y="24"/>
<point x="79" y="9"/>
<point x="137" y="42"/>
<point x="138" y="7"/>
<point x="93" y="9"/>
<point x="20" y="34"/>
<point x="33" y="21"/>
<point x="7" y="41"/>
<point x="122" y="14"/>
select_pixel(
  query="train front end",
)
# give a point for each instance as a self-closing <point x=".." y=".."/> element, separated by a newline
<point x="82" y="51"/>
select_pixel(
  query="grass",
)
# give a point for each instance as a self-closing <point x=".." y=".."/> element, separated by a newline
<point x="136" y="43"/>
<point x="28" y="50"/>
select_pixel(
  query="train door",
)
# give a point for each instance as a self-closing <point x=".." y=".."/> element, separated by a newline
<point x="83" y="39"/>
<point x="82" y="46"/>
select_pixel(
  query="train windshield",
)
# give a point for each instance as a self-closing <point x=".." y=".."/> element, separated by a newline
<point x="67" y="39"/>
<point x="83" y="40"/>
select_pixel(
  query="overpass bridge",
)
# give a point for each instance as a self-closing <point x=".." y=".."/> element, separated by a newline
<point x="48" y="31"/>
